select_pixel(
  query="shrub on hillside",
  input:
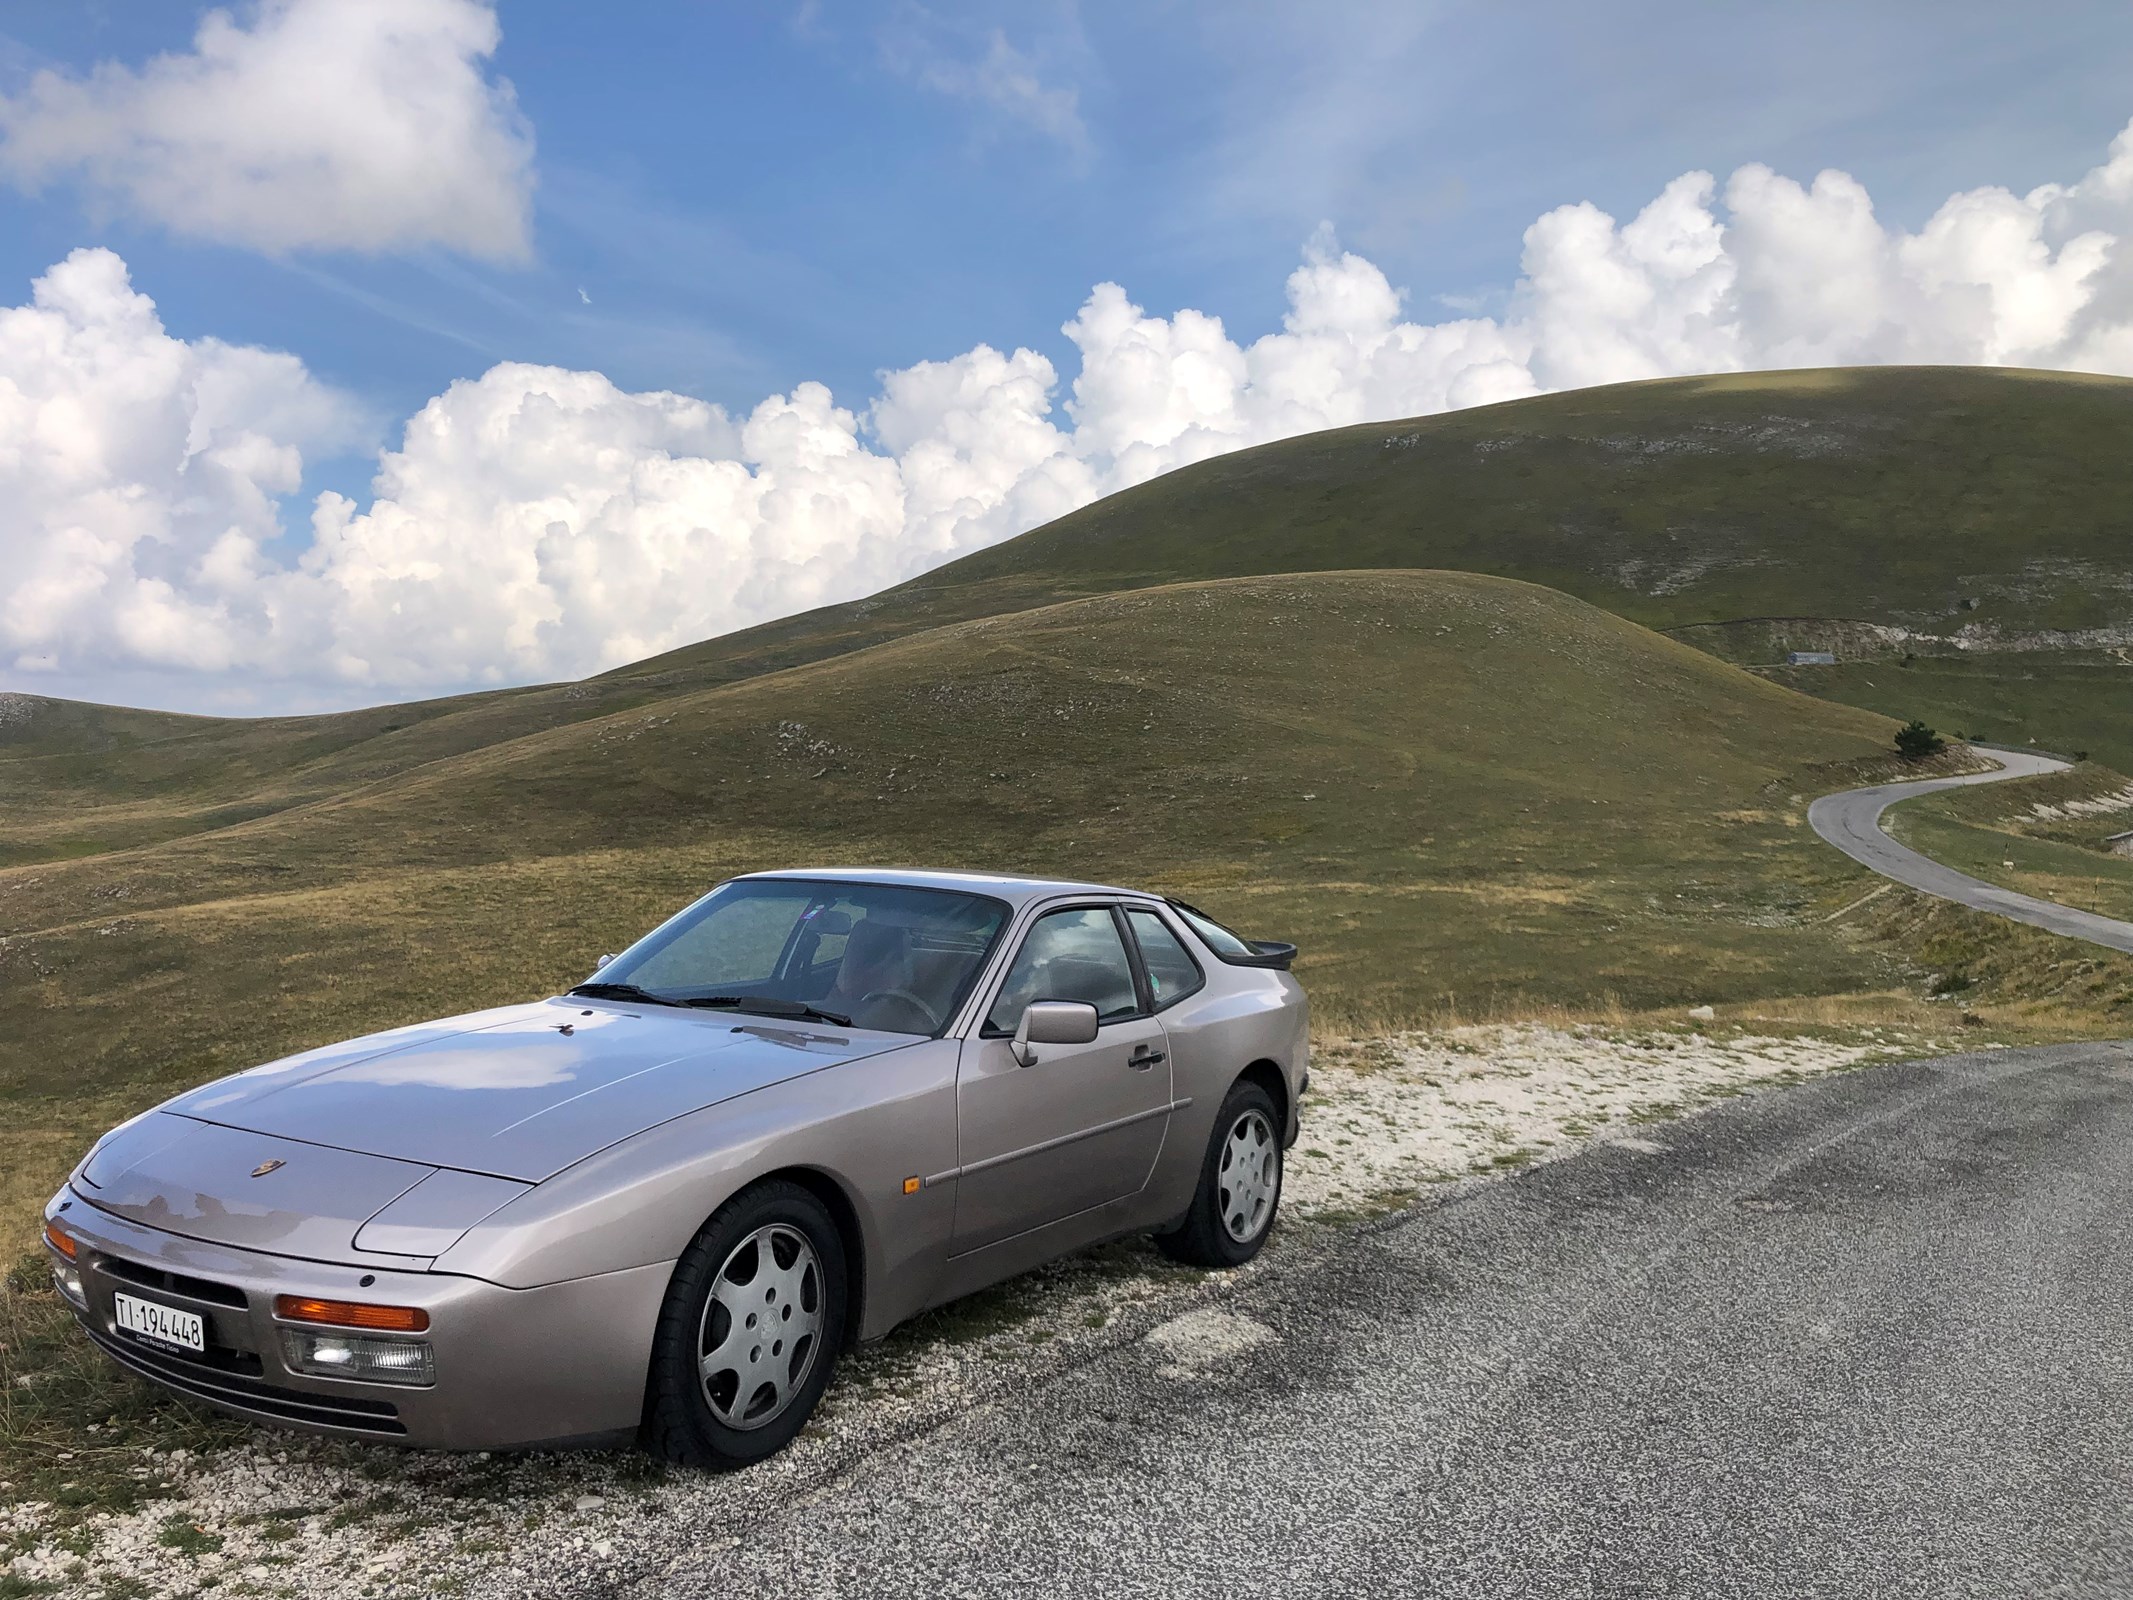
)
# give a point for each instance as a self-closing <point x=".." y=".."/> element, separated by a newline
<point x="1915" y="741"/>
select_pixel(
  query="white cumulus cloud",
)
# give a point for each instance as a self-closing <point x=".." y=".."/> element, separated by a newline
<point x="324" y="124"/>
<point x="139" y="476"/>
<point x="535" y="522"/>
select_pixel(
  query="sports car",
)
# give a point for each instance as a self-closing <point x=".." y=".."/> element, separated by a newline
<point x="805" y="1108"/>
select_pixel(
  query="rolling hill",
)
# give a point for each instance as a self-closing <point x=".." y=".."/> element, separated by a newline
<point x="1924" y="499"/>
<point x="1974" y="521"/>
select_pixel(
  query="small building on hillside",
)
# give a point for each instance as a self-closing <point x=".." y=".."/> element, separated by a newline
<point x="1811" y="658"/>
<point x="2120" y="844"/>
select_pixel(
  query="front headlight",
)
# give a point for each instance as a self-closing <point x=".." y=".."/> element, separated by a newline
<point x="365" y="1360"/>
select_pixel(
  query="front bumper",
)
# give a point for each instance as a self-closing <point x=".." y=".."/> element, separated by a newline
<point x="561" y="1364"/>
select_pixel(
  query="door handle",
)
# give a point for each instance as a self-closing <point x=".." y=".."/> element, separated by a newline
<point x="1144" y="1057"/>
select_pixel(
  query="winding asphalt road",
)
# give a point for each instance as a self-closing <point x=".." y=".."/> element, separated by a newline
<point x="1851" y="820"/>
<point x="1864" y="1337"/>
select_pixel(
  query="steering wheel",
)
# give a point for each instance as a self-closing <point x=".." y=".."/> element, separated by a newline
<point x="901" y="997"/>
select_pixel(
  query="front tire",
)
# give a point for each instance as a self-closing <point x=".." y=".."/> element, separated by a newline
<point x="749" y="1335"/>
<point x="1240" y="1185"/>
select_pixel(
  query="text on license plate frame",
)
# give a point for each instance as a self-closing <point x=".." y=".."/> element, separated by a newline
<point x="161" y="1324"/>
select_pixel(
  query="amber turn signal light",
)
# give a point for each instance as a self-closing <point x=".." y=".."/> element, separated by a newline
<point x="60" y="1240"/>
<point x="351" y="1314"/>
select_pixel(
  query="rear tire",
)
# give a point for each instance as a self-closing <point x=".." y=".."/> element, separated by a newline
<point x="748" y="1337"/>
<point x="1240" y="1185"/>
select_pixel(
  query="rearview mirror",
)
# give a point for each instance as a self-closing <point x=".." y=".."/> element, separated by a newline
<point x="1053" y="1022"/>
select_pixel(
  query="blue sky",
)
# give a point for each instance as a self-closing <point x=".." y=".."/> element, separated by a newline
<point x="754" y="194"/>
<point x="732" y="199"/>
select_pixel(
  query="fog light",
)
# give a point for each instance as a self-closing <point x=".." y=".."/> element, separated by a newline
<point x="353" y="1356"/>
<point x="67" y="1276"/>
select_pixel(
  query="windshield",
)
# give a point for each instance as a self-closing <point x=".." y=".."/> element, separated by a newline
<point x="900" y="960"/>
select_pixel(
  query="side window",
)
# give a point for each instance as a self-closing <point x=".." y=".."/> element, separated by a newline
<point x="1172" y="972"/>
<point x="1069" y="955"/>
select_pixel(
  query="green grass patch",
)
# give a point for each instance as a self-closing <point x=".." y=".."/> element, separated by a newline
<point x="182" y="1534"/>
<point x="2073" y="702"/>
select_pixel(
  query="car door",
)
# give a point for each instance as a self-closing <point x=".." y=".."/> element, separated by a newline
<point x="1083" y="1125"/>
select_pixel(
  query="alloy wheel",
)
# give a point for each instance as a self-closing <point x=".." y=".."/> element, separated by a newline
<point x="1249" y="1177"/>
<point x="762" y="1326"/>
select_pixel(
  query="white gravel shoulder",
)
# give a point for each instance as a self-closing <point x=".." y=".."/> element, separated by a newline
<point x="1386" y="1119"/>
<point x="1389" y="1115"/>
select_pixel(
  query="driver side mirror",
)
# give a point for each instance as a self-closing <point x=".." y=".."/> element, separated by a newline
<point x="603" y="961"/>
<point x="1053" y="1022"/>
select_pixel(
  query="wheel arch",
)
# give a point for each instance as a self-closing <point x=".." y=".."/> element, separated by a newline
<point x="851" y="1233"/>
<point x="1269" y="1076"/>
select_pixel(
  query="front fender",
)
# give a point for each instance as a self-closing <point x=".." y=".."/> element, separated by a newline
<point x="866" y="1126"/>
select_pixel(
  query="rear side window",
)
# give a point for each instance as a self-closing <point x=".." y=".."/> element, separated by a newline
<point x="1172" y="972"/>
<point x="1219" y="939"/>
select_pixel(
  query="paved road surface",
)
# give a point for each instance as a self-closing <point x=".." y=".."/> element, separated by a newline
<point x="1851" y="821"/>
<point x="1872" y="1336"/>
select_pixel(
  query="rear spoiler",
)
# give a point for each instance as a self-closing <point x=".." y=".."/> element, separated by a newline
<point x="1275" y="953"/>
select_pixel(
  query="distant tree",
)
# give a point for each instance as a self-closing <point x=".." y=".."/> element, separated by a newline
<point x="1915" y="741"/>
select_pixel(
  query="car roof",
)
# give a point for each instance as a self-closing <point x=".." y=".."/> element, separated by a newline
<point x="1002" y="886"/>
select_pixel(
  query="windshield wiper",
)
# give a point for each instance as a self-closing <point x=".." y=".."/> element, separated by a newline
<point x="623" y="991"/>
<point x="769" y="1006"/>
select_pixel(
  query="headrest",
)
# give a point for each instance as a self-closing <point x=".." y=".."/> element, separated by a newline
<point x="1081" y="978"/>
<point x="874" y="943"/>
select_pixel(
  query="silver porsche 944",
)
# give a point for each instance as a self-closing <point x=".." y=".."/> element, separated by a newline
<point x="800" y="1111"/>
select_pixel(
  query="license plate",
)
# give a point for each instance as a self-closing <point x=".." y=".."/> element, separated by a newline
<point x="182" y="1330"/>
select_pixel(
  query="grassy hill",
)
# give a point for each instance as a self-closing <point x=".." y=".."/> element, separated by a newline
<point x="1459" y="793"/>
<point x="1973" y="526"/>
<point x="1881" y="510"/>
<point x="1923" y="497"/>
<point x="2079" y="702"/>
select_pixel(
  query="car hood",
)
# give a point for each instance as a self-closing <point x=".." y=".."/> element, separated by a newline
<point x="525" y="1091"/>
